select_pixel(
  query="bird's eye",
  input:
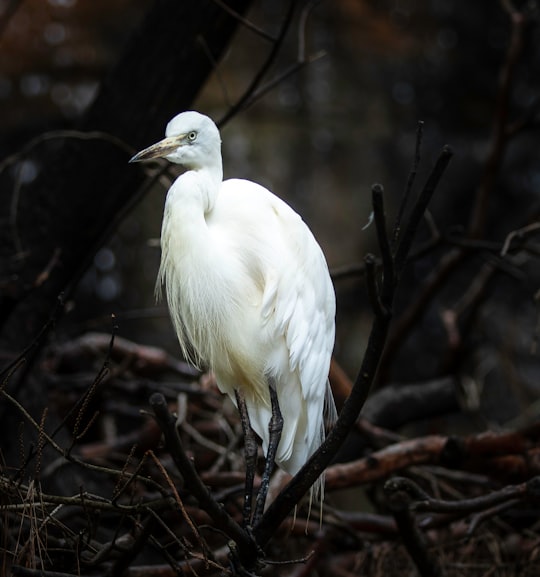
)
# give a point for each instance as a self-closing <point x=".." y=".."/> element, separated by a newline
<point x="192" y="136"/>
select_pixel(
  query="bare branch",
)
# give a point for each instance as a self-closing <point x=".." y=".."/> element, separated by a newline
<point x="519" y="235"/>
<point x="399" y="501"/>
<point x="7" y="372"/>
<point x="318" y="462"/>
<point x="499" y="139"/>
<point x="242" y="102"/>
<point x="404" y="245"/>
<point x="246" y="547"/>
<point x="63" y="135"/>
<point x="377" y="200"/>
<point x="372" y="286"/>
<point x="244" y="21"/>
<point x="410" y="183"/>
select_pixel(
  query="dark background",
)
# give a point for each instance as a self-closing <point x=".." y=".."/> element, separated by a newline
<point x="77" y="218"/>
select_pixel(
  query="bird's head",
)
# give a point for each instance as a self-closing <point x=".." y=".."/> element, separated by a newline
<point x="191" y="139"/>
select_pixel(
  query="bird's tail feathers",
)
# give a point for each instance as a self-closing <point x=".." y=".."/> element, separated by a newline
<point x="316" y="493"/>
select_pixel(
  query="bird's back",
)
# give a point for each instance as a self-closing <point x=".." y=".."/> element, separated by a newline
<point x="286" y="315"/>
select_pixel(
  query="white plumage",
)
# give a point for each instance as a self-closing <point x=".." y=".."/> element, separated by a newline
<point x="248" y="289"/>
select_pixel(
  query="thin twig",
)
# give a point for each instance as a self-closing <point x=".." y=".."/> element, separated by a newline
<point x="477" y="520"/>
<point x="247" y="550"/>
<point x="82" y="405"/>
<point x="410" y="183"/>
<point x="36" y="343"/>
<point x="404" y="246"/>
<point x="258" y="77"/>
<point x="524" y="491"/>
<point x="519" y="234"/>
<point x="279" y="78"/>
<point x="61" y="135"/>
<point x="384" y="245"/>
<point x="204" y="546"/>
<point x="302" y="25"/>
<point x="500" y="136"/>
<point x="245" y="22"/>
<point x="67" y="456"/>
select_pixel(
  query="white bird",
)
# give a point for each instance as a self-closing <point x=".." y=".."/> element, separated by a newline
<point x="248" y="290"/>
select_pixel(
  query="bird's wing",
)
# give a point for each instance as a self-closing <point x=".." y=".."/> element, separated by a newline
<point x="297" y="307"/>
<point x="298" y="299"/>
<point x="299" y="302"/>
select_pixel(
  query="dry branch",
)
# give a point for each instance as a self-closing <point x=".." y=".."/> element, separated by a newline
<point x="393" y="266"/>
<point x="505" y="455"/>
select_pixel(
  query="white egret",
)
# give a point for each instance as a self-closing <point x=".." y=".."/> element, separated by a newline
<point x="249" y="293"/>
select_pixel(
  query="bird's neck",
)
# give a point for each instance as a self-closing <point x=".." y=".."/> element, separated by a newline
<point x="189" y="201"/>
<point x="185" y="237"/>
<point x="196" y="189"/>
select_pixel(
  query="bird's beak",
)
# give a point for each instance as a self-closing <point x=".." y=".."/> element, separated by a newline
<point x="160" y="149"/>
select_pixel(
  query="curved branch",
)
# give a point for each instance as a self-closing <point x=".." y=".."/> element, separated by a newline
<point x="318" y="462"/>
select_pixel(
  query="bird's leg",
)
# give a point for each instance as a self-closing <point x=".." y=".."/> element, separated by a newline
<point x="250" y="455"/>
<point x="274" y="427"/>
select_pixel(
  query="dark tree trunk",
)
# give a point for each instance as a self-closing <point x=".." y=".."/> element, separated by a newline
<point x="84" y="185"/>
